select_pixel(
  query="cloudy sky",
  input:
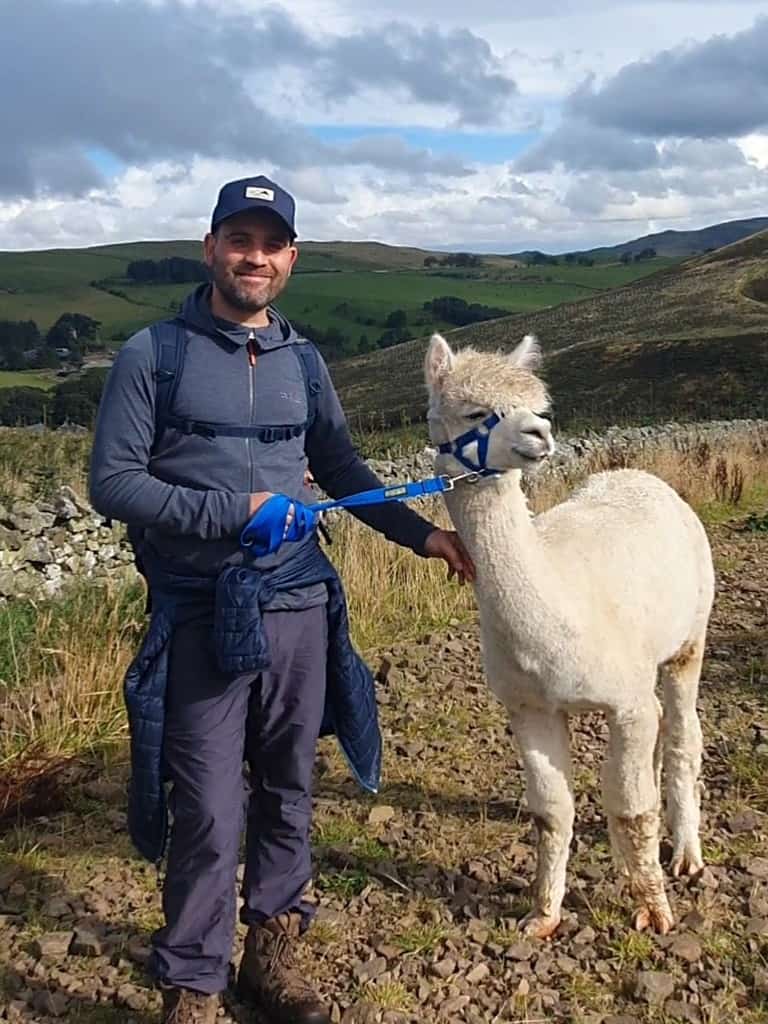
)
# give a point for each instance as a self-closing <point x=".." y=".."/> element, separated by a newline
<point x="563" y="124"/>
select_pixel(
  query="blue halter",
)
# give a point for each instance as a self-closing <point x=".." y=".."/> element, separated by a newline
<point x="481" y="436"/>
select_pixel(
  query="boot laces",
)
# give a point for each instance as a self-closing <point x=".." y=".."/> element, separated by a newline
<point x="282" y="952"/>
<point x="194" y="1002"/>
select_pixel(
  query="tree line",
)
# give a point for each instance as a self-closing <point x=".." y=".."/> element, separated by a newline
<point x="173" y="270"/>
<point x="23" y="346"/>
<point x="336" y="344"/>
<point x="75" y="400"/>
<point x="454" y="259"/>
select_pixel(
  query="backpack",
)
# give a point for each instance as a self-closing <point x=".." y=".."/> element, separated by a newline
<point x="169" y="340"/>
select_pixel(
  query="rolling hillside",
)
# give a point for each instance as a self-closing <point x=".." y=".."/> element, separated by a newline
<point x="679" y="244"/>
<point x="349" y="286"/>
<point x="688" y="341"/>
<point x="42" y="285"/>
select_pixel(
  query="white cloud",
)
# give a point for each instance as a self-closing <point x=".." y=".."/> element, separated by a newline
<point x="263" y="76"/>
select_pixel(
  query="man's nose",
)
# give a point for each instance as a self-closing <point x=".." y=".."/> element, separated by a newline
<point x="256" y="255"/>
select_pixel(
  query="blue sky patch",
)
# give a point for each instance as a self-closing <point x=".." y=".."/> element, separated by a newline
<point x="106" y="162"/>
<point x="478" y="147"/>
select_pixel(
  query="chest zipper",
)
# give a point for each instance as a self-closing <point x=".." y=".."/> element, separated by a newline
<point x="251" y="348"/>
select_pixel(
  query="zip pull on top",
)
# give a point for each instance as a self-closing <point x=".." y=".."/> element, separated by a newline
<point x="251" y="346"/>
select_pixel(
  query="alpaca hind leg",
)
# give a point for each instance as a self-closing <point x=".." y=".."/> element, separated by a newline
<point x="682" y="756"/>
<point x="545" y="749"/>
<point x="618" y="857"/>
<point x="632" y="804"/>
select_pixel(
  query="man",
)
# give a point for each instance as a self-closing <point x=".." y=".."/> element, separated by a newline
<point x="240" y="431"/>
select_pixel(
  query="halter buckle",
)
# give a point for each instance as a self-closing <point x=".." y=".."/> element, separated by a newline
<point x="449" y="482"/>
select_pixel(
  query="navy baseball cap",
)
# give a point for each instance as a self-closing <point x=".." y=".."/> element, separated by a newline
<point x="254" y="193"/>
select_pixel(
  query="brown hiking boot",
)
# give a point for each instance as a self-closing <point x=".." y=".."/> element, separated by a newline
<point x="270" y="979"/>
<point x="183" y="1006"/>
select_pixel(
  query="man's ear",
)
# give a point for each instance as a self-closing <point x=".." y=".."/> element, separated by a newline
<point x="209" y="243"/>
<point x="438" y="363"/>
<point x="294" y="256"/>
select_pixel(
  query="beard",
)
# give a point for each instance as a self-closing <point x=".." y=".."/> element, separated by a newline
<point x="246" y="296"/>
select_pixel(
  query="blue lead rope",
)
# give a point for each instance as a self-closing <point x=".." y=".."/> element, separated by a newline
<point x="266" y="530"/>
<point x="379" y="495"/>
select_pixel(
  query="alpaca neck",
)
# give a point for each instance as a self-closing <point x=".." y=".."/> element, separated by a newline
<point x="515" y="573"/>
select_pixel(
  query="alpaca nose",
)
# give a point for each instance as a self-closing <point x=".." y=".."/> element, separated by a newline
<point x="540" y="432"/>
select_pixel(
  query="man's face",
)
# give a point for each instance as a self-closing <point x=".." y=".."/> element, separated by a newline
<point x="250" y="257"/>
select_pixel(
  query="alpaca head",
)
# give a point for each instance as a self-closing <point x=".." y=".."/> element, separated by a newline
<point x="466" y="387"/>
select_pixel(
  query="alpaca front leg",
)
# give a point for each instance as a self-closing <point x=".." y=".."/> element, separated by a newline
<point x="545" y="749"/>
<point x="682" y="757"/>
<point x="632" y="802"/>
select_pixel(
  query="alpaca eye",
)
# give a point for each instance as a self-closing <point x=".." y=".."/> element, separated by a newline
<point x="545" y="416"/>
<point x="476" y="415"/>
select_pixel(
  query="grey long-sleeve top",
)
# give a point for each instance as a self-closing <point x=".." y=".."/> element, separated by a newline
<point x="192" y="494"/>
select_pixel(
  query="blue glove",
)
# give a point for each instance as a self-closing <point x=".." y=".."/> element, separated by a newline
<point x="265" y="531"/>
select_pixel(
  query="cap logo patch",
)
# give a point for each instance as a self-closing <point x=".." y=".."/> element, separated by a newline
<point x="255" y="192"/>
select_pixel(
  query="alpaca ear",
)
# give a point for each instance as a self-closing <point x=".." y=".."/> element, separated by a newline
<point x="438" y="363"/>
<point x="527" y="355"/>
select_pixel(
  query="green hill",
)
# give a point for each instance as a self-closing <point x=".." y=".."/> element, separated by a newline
<point x="687" y="341"/>
<point x="350" y="287"/>
<point x="679" y="244"/>
<point x="670" y="244"/>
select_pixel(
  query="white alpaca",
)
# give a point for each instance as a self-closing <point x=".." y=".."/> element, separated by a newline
<point x="581" y="608"/>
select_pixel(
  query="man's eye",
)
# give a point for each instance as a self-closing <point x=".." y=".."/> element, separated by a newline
<point x="476" y="415"/>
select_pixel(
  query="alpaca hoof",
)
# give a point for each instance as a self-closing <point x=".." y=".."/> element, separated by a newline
<point x="658" y="919"/>
<point x="687" y="862"/>
<point x="539" y="926"/>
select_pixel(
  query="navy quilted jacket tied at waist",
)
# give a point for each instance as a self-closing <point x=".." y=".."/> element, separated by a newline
<point x="237" y="598"/>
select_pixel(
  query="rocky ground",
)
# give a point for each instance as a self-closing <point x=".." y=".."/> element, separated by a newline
<point x="420" y="889"/>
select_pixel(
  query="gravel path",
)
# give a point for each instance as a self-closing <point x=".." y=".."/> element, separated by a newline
<point x="420" y="889"/>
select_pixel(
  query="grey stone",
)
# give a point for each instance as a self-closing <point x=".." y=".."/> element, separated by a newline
<point x="744" y="821"/>
<point x="478" y="974"/>
<point x="52" y="1003"/>
<point x="757" y="867"/>
<point x="52" y="944"/>
<point x="85" y="943"/>
<point x="686" y="947"/>
<point x="454" y="1005"/>
<point x="360" y="1013"/>
<point x="11" y="540"/>
<point x="520" y="951"/>
<point x="56" y="906"/>
<point x="654" y="987"/>
<point x="676" y="1009"/>
<point x="370" y="969"/>
<point x="443" y="968"/>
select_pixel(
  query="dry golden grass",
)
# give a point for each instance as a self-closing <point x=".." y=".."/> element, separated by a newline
<point x="391" y="593"/>
<point x="61" y="666"/>
<point x="32" y="465"/>
<point x="717" y="482"/>
<point x="62" y="662"/>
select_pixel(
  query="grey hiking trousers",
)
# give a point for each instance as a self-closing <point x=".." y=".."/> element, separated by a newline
<point x="213" y="723"/>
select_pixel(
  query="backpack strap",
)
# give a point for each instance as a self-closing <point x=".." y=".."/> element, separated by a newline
<point x="169" y="338"/>
<point x="310" y="368"/>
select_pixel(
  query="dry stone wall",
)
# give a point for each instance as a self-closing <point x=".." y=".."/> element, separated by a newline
<point x="46" y="543"/>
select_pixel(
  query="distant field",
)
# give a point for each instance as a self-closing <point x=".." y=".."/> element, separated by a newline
<point x="347" y="299"/>
<point x="367" y="279"/>
<point x="688" y="341"/>
<point x="25" y="379"/>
